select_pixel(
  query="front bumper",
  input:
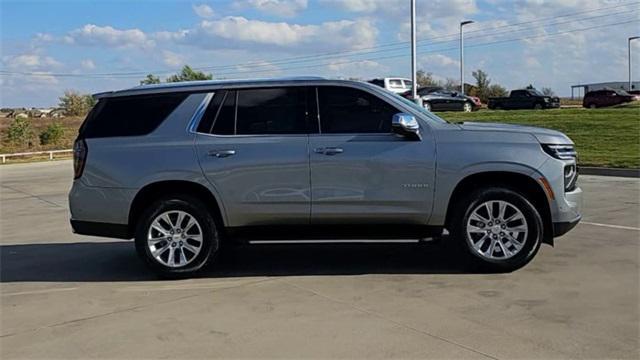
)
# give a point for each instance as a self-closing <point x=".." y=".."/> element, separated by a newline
<point x="561" y="228"/>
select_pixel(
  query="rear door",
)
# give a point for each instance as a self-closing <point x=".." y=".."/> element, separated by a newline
<point x="252" y="145"/>
<point x="360" y="171"/>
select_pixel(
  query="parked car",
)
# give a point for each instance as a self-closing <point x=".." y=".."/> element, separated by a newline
<point x="606" y="97"/>
<point x="439" y="99"/>
<point x="184" y="168"/>
<point x="524" y="99"/>
<point x="396" y="85"/>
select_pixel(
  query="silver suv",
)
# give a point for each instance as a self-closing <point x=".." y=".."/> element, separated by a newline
<point x="185" y="168"/>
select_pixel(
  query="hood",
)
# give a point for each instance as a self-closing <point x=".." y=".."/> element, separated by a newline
<point x="544" y="136"/>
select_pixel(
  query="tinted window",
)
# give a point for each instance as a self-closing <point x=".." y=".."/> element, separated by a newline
<point x="272" y="111"/>
<point x="348" y="110"/>
<point x="395" y="84"/>
<point x="224" y="123"/>
<point x="131" y="115"/>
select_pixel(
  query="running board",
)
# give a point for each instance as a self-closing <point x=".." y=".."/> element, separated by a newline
<point x="352" y="241"/>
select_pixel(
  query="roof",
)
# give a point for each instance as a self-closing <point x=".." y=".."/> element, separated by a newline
<point x="207" y="85"/>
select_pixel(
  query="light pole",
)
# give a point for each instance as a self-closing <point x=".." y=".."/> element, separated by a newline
<point x="629" y="48"/>
<point x="462" y="55"/>
<point x="414" y="76"/>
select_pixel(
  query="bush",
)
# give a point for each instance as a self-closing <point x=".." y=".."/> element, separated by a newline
<point x="20" y="132"/>
<point x="52" y="134"/>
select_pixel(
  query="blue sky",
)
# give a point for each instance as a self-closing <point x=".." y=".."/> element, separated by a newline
<point x="92" y="46"/>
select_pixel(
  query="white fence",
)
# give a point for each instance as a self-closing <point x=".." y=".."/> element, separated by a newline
<point x="50" y="153"/>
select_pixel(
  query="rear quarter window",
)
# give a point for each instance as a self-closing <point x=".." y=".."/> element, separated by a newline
<point x="130" y="115"/>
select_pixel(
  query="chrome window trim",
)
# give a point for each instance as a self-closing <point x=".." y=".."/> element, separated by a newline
<point x="197" y="116"/>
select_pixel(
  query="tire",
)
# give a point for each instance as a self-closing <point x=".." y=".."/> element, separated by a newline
<point x="168" y="236"/>
<point x="537" y="106"/>
<point x="467" y="107"/>
<point x="592" y="106"/>
<point x="475" y="241"/>
<point x="427" y="106"/>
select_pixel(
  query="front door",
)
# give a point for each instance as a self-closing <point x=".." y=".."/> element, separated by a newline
<point x="252" y="145"/>
<point x="360" y="171"/>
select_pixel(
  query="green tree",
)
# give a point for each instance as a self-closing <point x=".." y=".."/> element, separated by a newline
<point x="496" y="90"/>
<point x="150" y="79"/>
<point x="75" y="104"/>
<point x="52" y="134"/>
<point x="483" y="87"/>
<point x="426" y="79"/>
<point x="188" y="74"/>
<point x="20" y="132"/>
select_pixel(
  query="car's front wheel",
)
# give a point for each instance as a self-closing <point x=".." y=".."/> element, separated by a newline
<point x="427" y="106"/>
<point x="497" y="229"/>
<point x="176" y="236"/>
<point x="467" y="107"/>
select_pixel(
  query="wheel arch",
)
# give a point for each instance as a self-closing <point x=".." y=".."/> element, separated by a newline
<point x="153" y="191"/>
<point x="519" y="182"/>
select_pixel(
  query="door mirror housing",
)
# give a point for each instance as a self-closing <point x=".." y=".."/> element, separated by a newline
<point x="406" y="125"/>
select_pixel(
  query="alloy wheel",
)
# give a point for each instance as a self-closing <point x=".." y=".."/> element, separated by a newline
<point x="174" y="238"/>
<point x="467" y="107"/>
<point x="496" y="230"/>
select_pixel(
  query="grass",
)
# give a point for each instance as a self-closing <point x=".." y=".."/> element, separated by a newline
<point x="608" y="137"/>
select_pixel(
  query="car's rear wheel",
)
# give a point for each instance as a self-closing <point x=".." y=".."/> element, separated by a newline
<point x="467" y="107"/>
<point x="497" y="229"/>
<point x="176" y="236"/>
<point x="427" y="106"/>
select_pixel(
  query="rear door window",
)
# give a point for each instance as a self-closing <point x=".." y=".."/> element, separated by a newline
<point x="131" y="115"/>
<point x="272" y="111"/>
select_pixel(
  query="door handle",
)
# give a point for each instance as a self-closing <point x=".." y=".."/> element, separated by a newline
<point x="328" y="150"/>
<point x="222" y="153"/>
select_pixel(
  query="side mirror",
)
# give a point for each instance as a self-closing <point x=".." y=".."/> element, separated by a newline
<point x="406" y="125"/>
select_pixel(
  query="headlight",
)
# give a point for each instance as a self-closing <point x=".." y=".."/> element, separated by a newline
<point x="546" y="99"/>
<point x="570" y="177"/>
<point x="562" y="152"/>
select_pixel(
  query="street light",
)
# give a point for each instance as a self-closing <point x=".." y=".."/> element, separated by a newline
<point x="629" y="48"/>
<point x="462" y="55"/>
<point x="414" y="76"/>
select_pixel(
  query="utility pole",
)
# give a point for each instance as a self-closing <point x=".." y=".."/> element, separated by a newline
<point x="629" y="48"/>
<point x="414" y="76"/>
<point x="462" y="55"/>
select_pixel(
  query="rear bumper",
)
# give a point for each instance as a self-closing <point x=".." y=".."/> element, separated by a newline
<point x="92" y="228"/>
<point x="561" y="228"/>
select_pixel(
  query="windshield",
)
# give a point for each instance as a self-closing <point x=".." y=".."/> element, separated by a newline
<point x="536" y="92"/>
<point x="420" y="109"/>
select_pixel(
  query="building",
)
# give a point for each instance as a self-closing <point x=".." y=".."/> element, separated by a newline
<point x="616" y="85"/>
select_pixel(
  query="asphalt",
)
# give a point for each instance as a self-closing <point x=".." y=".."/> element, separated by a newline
<point x="69" y="296"/>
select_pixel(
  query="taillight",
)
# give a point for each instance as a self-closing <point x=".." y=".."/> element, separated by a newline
<point x="79" y="157"/>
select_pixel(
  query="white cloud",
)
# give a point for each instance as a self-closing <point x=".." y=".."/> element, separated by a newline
<point x="30" y="62"/>
<point x="87" y="64"/>
<point x="172" y="59"/>
<point x="203" y="11"/>
<point x="347" y="68"/>
<point x="239" y="32"/>
<point x="284" y="8"/>
<point x="94" y="35"/>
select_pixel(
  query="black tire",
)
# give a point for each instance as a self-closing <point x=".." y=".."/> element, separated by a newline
<point x="538" y="106"/>
<point x="427" y="106"/>
<point x="193" y="207"/>
<point x="461" y="242"/>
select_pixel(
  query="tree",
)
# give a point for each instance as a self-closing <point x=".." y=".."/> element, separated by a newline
<point x="496" y="90"/>
<point x="188" y="74"/>
<point x="426" y="79"/>
<point x="75" y="104"/>
<point x="451" y="84"/>
<point x="52" y="134"/>
<point x="150" y="79"/>
<point x="548" y="91"/>
<point x="20" y="132"/>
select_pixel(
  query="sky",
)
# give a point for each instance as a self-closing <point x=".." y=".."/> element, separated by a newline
<point x="49" y="47"/>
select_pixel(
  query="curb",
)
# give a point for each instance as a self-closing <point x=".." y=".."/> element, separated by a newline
<point x="629" y="173"/>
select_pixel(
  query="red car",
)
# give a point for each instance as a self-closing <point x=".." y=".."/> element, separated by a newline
<point x="606" y="97"/>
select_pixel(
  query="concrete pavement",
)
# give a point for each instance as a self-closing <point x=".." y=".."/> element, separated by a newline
<point x="69" y="296"/>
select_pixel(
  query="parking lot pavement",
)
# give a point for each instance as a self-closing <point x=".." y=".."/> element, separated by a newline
<point x="69" y="296"/>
